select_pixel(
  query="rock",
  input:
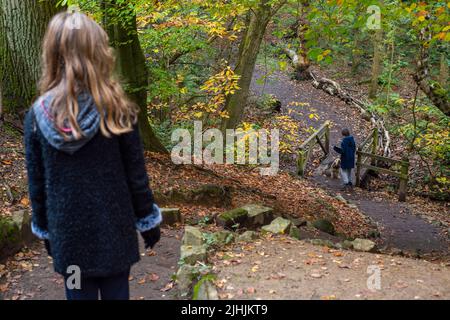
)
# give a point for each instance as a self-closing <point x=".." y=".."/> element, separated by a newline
<point x="364" y="245"/>
<point x="278" y="226"/>
<point x="223" y="237"/>
<point x="341" y="198"/>
<point x="324" y="225"/>
<point x="22" y="220"/>
<point x="294" y="232"/>
<point x="323" y="243"/>
<point x="211" y="194"/>
<point x="353" y="206"/>
<point x="346" y="244"/>
<point x="247" y="236"/>
<point x="230" y="219"/>
<point x="186" y="274"/>
<point x="192" y="236"/>
<point x="171" y="216"/>
<point x="192" y="254"/>
<point x="205" y="290"/>
<point x="15" y="232"/>
<point x="298" y="222"/>
<point x="258" y="215"/>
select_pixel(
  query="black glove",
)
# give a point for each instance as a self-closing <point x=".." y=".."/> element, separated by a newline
<point x="47" y="247"/>
<point x="151" y="237"/>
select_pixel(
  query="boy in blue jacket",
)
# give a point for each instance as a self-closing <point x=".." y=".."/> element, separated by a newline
<point x="347" y="152"/>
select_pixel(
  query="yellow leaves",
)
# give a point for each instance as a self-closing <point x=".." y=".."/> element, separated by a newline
<point x="216" y="88"/>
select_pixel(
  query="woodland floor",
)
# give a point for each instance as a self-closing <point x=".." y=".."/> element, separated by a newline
<point x="287" y="269"/>
<point x="280" y="268"/>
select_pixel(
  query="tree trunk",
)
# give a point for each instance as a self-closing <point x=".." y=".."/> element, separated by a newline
<point x="376" y="64"/>
<point x="303" y="63"/>
<point x="443" y="71"/>
<point x="248" y="52"/>
<point x="22" y="28"/>
<point x="131" y="66"/>
<point x="433" y="90"/>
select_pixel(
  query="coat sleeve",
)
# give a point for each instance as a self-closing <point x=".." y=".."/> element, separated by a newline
<point x="337" y="149"/>
<point x="36" y="177"/>
<point x="148" y="214"/>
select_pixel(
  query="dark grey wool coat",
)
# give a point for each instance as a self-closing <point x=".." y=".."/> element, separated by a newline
<point x="89" y="204"/>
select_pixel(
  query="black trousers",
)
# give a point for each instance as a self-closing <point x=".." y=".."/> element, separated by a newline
<point x="106" y="288"/>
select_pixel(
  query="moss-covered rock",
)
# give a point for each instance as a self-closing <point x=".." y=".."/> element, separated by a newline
<point x="232" y="218"/>
<point x="294" y="232"/>
<point x="278" y="226"/>
<point x="324" y="226"/>
<point x="247" y="236"/>
<point x="258" y="215"/>
<point x="192" y="236"/>
<point x="192" y="254"/>
<point x="15" y="231"/>
<point x="171" y="216"/>
<point x="223" y="237"/>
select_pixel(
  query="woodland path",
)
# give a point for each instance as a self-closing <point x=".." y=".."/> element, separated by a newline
<point x="282" y="268"/>
<point x="148" y="281"/>
<point x="400" y="229"/>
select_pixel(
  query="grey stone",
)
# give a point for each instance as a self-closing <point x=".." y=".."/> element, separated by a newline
<point x="230" y="218"/>
<point x="247" y="236"/>
<point x="192" y="236"/>
<point x="364" y="245"/>
<point x="206" y="290"/>
<point x="171" y="216"/>
<point x="346" y="244"/>
<point x="323" y="243"/>
<point x="324" y="225"/>
<point x="223" y="237"/>
<point x="22" y="219"/>
<point x="298" y="222"/>
<point x="258" y="215"/>
<point x="294" y="232"/>
<point x="278" y="226"/>
<point x="185" y="276"/>
<point x="192" y="254"/>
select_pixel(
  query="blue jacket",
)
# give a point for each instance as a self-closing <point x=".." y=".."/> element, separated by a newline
<point x="88" y="198"/>
<point x="347" y="152"/>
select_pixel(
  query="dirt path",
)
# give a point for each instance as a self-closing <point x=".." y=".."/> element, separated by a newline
<point x="289" y="269"/>
<point x="400" y="229"/>
<point x="148" y="277"/>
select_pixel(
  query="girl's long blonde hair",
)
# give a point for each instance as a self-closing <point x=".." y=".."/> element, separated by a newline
<point x="77" y="59"/>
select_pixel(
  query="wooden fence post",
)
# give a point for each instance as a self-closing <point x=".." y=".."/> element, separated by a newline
<point x="403" y="181"/>
<point x="327" y="139"/>
<point x="358" y="168"/>
<point x="375" y="145"/>
<point x="301" y="162"/>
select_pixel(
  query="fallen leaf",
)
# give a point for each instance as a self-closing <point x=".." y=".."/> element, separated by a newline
<point x="167" y="287"/>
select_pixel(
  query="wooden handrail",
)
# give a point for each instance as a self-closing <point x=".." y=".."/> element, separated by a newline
<point x="318" y="133"/>
<point x="381" y="158"/>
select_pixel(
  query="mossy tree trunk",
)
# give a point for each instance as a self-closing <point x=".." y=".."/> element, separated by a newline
<point x="302" y="66"/>
<point x="258" y="19"/>
<point x="376" y="63"/>
<point x="120" y="23"/>
<point x="22" y="28"/>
